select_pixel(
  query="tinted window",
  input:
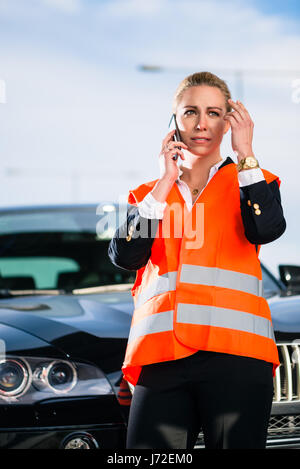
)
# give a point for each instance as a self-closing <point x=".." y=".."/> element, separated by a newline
<point x="43" y="271"/>
<point x="59" y="249"/>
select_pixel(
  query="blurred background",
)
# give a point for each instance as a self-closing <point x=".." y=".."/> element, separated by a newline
<point x="86" y="88"/>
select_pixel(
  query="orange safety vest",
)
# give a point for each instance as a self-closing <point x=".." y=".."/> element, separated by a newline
<point x="200" y="294"/>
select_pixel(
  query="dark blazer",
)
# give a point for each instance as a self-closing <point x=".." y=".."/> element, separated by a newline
<point x="269" y="225"/>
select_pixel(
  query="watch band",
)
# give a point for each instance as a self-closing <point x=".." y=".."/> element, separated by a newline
<point x="248" y="163"/>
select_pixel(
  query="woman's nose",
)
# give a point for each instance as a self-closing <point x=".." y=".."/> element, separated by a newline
<point x="201" y="124"/>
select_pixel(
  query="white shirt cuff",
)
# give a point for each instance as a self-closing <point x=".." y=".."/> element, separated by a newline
<point x="149" y="207"/>
<point x="250" y="176"/>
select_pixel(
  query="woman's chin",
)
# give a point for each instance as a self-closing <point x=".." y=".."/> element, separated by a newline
<point x="199" y="152"/>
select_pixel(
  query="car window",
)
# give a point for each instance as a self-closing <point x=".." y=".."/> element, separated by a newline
<point x="65" y="248"/>
<point x="43" y="271"/>
<point x="102" y="219"/>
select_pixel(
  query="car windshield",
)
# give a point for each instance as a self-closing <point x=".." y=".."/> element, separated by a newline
<point x="59" y="248"/>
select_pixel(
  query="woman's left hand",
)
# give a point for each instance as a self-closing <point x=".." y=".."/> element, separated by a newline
<point x="241" y="129"/>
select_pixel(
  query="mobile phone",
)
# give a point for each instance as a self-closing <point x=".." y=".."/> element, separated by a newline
<point x="177" y="136"/>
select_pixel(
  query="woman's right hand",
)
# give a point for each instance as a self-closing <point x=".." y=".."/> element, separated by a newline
<point x="169" y="149"/>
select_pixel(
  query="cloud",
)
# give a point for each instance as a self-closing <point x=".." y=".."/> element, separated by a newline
<point x="33" y="8"/>
<point x="66" y="6"/>
<point x="132" y="8"/>
<point x="2" y="92"/>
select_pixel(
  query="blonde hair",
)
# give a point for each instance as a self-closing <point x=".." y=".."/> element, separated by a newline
<point x="198" y="79"/>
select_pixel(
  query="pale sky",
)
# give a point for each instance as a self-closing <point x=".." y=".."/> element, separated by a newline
<point x="80" y="122"/>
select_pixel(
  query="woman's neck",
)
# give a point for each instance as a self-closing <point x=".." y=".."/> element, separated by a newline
<point x="195" y="169"/>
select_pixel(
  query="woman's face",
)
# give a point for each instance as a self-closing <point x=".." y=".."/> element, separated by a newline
<point x="200" y="118"/>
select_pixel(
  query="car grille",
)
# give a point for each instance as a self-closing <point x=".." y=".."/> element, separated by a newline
<point x="283" y="430"/>
<point x="284" y="426"/>
<point x="287" y="378"/>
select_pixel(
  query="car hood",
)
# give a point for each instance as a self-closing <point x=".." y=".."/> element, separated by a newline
<point x="107" y="315"/>
<point x="67" y="320"/>
<point x="92" y="327"/>
<point x="285" y="311"/>
<point x="102" y="315"/>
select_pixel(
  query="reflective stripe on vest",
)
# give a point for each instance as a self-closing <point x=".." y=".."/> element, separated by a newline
<point x="224" y="317"/>
<point x="163" y="284"/>
<point x="159" y="322"/>
<point x="214" y="276"/>
<point x="203" y="315"/>
<point x="199" y="275"/>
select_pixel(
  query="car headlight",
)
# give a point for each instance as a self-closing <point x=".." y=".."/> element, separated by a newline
<point x="31" y="379"/>
<point x="14" y="377"/>
<point x="59" y="376"/>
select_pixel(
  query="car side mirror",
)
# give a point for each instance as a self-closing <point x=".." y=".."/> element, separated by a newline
<point x="290" y="276"/>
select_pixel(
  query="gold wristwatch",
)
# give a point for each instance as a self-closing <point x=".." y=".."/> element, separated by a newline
<point x="248" y="163"/>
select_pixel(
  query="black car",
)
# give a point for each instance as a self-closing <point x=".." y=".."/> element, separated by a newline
<point x="65" y="314"/>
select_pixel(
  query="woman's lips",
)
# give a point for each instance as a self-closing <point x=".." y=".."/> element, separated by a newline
<point x="200" y="140"/>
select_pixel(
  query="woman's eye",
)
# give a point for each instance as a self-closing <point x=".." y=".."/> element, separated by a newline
<point x="215" y="113"/>
<point x="189" y="112"/>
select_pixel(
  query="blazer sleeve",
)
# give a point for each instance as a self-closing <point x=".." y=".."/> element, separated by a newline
<point x="131" y="245"/>
<point x="262" y="212"/>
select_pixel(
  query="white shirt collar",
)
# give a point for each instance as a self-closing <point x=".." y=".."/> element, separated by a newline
<point x="212" y="170"/>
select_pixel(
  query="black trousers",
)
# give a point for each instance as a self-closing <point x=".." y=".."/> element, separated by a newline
<point x="228" y="397"/>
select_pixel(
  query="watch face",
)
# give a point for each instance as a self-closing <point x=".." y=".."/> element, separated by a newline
<point x="250" y="161"/>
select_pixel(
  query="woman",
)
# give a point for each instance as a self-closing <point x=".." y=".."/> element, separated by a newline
<point x="201" y="350"/>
